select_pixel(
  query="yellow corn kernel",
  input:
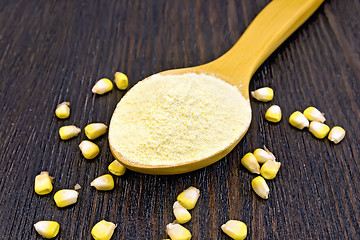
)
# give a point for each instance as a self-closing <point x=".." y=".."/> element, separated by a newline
<point x="47" y="229"/>
<point x="103" y="183"/>
<point x="336" y="134"/>
<point x="318" y="129"/>
<point x="67" y="132"/>
<point x="103" y="230"/>
<point x="43" y="183"/>
<point x="102" y="86"/>
<point x="116" y="168"/>
<point x="264" y="94"/>
<point x="189" y="197"/>
<point x="273" y="114"/>
<point x="263" y="155"/>
<point x="298" y="120"/>
<point x="65" y="197"/>
<point x="270" y="169"/>
<point x="235" y="229"/>
<point x="63" y="110"/>
<point x="250" y="162"/>
<point x="89" y="149"/>
<point x="177" y="232"/>
<point x="312" y="114"/>
<point x="95" y="130"/>
<point x="181" y="214"/>
<point x="121" y="80"/>
<point x="260" y="187"/>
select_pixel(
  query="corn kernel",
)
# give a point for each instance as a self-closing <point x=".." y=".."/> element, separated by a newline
<point x="235" y="229"/>
<point x="95" y="130"/>
<point x="189" y="197"/>
<point x="298" y="120"/>
<point x="177" y="232"/>
<point x="250" y="162"/>
<point x="103" y="183"/>
<point x="67" y="132"/>
<point x="263" y="155"/>
<point x="65" y="197"/>
<point x="47" y="229"/>
<point x="89" y="149"/>
<point x="103" y="230"/>
<point x="121" y="80"/>
<point x="312" y="114"/>
<point x="264" y="94"/>
<point x="181" y="214"/>
<point x="273" y="114"/>
<point x="102" y="86"/>
<point x="43" y="183"/>
<point x="116" y="168"/>
<point x="336" y="134"/>
<point x="260" y="187"/>
<point x="318" y="129"/>
<point x="63" y="110"/>
<point x="270" y="169"/>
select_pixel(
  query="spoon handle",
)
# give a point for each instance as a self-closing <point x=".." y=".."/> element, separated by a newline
<point x="270" y="28"/>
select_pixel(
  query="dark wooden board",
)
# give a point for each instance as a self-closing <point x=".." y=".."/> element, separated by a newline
<point x="54" y="51"/>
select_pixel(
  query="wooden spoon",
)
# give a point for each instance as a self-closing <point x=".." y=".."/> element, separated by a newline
<point x="275" y="23"/>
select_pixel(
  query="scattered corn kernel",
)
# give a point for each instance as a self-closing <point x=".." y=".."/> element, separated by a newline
<point x="116" y="168"/>
<point x="177" y="232"/>
<point x="65" y="197"/>
<point x="43" y="183"/>
<point x="263" y="155"/>
<point x="77" y="186"/>
<point x="270" y="169"/>
<point x="89" y="149"/>
<point x="273" y="114"/>
<point x="189" y="197"/>
<point x="103" y="230"/>
<point x="264" y="94"/>
<point x="47" y="229"/>
<point x="250" y="162"/>
<point x="121" y="80"/>
<point x="63" y="110"/>
<point x="67" y="132"/>
<point x="95" y="130"/>
<point x="103" y="183"/>
<point x="312" y="114"/>
<point x="298" y="120"/>
<point x="260" y="187"/>
<point x="318" y="129"/>
<point x="235" y="229"/>
<point x="102" y="86"/>
<point x="181" y="214"/>
<point x="336" y="134"/>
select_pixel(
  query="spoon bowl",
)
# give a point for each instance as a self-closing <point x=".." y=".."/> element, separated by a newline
<point x="271" y="27"/>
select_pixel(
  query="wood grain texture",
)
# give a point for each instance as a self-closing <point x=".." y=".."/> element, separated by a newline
<point x="52" y="51"/>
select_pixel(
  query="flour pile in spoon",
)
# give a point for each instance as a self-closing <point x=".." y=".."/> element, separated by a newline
<point x="171" y="119"/>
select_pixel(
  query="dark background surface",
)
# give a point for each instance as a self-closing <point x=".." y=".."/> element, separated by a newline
<point x="54" y="51"/>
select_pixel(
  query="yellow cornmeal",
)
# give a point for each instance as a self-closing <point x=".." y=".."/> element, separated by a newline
<point x="166" y="120"/>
